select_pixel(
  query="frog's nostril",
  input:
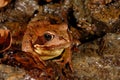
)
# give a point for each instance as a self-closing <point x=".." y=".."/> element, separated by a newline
<point x="61" y="38"/>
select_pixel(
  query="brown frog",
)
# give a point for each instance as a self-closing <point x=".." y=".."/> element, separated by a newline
<point x="47" y="41"/>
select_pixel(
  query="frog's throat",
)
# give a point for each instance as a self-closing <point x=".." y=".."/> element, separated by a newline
<point x="48" y="54"/>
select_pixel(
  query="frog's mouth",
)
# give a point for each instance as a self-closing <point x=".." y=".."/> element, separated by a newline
<point x="48" y="54"/>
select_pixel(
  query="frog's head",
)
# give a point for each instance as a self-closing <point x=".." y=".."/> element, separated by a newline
<point x="51" y="39"/>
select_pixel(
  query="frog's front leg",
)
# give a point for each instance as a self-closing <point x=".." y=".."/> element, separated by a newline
<point x="66" y="58"/>
<point x="37" y="59"/>
<point x="27" y="47"/>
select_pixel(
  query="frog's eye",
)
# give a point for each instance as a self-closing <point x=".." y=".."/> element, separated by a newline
<point x="48" y="36"/>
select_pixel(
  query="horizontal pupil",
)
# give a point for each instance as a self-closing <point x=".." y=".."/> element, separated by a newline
<point x="47" y="37"/>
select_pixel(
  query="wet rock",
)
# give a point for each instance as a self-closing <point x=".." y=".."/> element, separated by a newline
<point x="54" y="12"/>
<point x="13" y="73"/>
<point x="90" y="65"/>
<point x="110" y="44"/>
<point x="18" y="10"/>
<point x="105" y="11"/>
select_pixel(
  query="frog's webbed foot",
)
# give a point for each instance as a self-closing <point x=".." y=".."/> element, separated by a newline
<point x="65" y="59"/>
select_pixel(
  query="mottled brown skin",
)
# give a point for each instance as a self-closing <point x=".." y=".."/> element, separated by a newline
<point x="46" y="41"/>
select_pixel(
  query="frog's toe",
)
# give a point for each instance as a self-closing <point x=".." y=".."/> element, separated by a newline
<point x="64" y="63"/>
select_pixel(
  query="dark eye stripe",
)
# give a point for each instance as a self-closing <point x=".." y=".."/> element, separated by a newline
<point x="40" y="40"/>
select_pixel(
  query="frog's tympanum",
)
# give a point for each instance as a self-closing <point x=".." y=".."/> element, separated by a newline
<point x="48" y="41"/>
<point x="5" y="40"/>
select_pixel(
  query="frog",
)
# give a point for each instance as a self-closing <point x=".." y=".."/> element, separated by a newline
<point x="46" y="41"/>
